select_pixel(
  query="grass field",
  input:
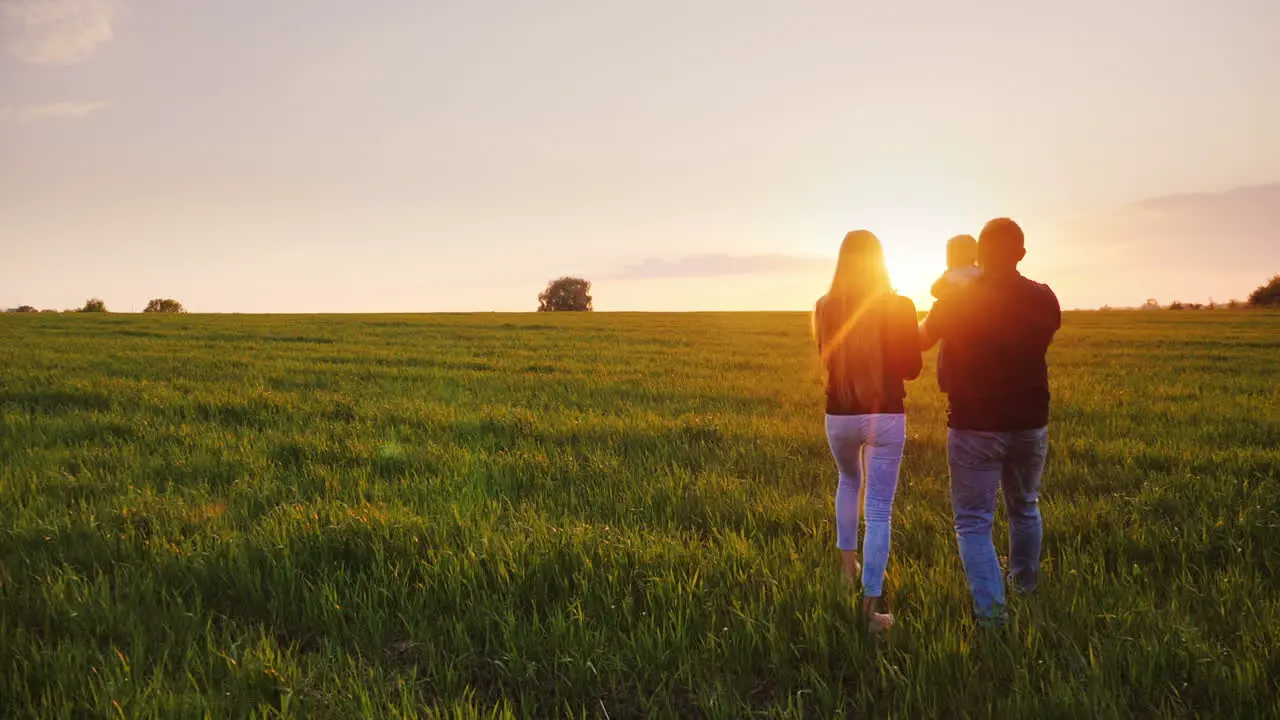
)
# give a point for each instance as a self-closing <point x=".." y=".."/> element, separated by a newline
<point x="604" y="516"/>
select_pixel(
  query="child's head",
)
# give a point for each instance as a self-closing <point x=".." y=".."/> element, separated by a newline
<point x="962" y="251"/>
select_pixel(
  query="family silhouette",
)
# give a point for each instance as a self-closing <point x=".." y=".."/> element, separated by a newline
<point x="994" y="327"/>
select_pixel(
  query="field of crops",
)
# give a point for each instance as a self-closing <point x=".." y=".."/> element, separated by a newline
<point x="604" y="516"/>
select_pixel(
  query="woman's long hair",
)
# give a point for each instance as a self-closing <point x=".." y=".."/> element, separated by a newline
<point x="848" y="331"/>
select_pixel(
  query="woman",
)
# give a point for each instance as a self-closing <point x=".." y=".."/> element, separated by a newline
<point x="869" y="343"/>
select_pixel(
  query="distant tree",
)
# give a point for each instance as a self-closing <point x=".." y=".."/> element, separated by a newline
<point x="164" y="305"/>
<point x="1267" y="295"/>
<point x="1151" y="304"/>
<point x="1195" y="306"/>
<point x="1233" y="305"/>
<point x="1175" y="305"/>
<point x="567" y="294"/>
<point x="47" y="310"/>
<point x="94" y="305"/>
<point x="24" y="309"/>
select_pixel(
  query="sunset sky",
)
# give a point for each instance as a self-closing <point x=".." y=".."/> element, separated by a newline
<point x="335" y="156"/>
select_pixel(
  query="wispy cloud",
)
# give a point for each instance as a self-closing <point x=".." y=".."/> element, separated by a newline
<point x="1171" y="243"/>
<point x="62" y="110"/>
<point x="1252" y="200"/>
<point x="1239" y="225"/>
<point x="55" y="32"/>
<point x="717" y="265"/>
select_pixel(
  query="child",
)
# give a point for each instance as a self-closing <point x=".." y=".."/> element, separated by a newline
<point x="962" y="270"/>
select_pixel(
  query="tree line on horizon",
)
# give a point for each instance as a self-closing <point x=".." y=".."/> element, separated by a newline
<point x="1266" y="296"/>
<point x="97" y="305"/>
<point x="573" y="294"/>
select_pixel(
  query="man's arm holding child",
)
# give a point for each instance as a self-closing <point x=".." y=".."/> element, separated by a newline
<point x="940" y="286"/>
<point x="935" y="324"/>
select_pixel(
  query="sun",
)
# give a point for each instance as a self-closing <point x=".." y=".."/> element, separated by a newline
<point x="914" y="214"/>
<point x="912" y="276"/>
<point x="914" y="205"/>
<point x="915" y="253"/>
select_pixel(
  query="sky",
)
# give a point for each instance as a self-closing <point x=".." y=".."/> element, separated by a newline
<point x="416" y="156"/>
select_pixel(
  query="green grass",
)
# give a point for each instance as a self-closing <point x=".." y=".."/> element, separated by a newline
<point x="608" y="515"/>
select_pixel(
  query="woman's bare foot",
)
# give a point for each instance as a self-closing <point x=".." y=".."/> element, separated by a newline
<point x="877" y="622"/>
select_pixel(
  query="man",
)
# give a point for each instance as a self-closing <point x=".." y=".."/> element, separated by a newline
<point x="997" y="331"/>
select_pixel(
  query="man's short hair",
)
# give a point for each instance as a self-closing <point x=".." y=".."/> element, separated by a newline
<point x="1002" y="233"/>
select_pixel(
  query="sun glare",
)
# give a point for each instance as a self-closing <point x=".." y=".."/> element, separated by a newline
<point x="912" y="276"/>
<point x="913" y="205"/>
<point x="915" y="253"/>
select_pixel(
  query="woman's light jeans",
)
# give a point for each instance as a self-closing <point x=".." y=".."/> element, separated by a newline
<point x="868" y="451"/>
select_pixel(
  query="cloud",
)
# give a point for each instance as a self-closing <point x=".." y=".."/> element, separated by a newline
<point x="1246" y="218"/>
<point x="61" y="110"/>
<point x="1188" y="246"/>
<point x="1252" y="196"/>
<point x="1240" y="226"/>
<point x="693" y="266"/>
<point x="55" y="32"/>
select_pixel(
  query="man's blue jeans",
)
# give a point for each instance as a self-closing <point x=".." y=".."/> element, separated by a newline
<point x="981" y="462"/>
